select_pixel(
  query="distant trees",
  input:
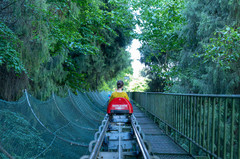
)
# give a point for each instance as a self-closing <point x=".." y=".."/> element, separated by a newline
<point x="192" y="46"/>
<point x="160" y="23"/>
<point x="49" y="46"/>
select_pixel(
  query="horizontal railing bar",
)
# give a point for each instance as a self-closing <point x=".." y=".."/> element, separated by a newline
<point x="197" y="95"/>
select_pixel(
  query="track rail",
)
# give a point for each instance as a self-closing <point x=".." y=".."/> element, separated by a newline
<point x="98" y="144"/>
<point x="120" y="125"/>
<point x="140" y="140"/>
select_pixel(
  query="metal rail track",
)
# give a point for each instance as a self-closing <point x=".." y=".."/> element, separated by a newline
<point x="98" y="144"/>
<point x="118" y="136"/>
<point x="140" y="141"/>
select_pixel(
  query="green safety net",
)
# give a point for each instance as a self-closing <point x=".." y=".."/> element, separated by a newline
<point x="56" y="128"/>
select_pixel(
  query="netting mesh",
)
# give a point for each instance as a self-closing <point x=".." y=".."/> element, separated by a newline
<point x="56" y="128"/>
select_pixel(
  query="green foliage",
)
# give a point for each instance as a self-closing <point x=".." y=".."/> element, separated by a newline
<point x="160" y="22"/>
<point x="224" y="50"/>
<point x="138" y="85"/>
<point x="155" y="83"/>
<point x="174" y="32"/>
<point x="207" y="36"/>
<point x="15" y="130"/>
<point x="123" y="75"/>
<point x="64" y="44"/>
<point x="81" y="44"/>
<point x="8" y="49"/>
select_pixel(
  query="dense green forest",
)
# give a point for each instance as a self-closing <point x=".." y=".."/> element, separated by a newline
<point x="190" y="46"/>
<point x="50" y="45"/>
<point x="53" y="45"/>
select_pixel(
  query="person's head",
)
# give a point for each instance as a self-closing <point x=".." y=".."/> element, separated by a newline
<point x="120" y="84"/>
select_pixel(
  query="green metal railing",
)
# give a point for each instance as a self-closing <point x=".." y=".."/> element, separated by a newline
<point x="205" y="125"/>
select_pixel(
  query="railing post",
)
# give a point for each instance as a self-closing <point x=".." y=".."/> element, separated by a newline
<point x="188" y="116"/>
<point x="238" y="131"/>
<point x="178" y="113"/>
<point x="146" y="101"/>
<point x="232" y="127"/>
<point x="225" y="129"/>
<point x="194" y="119"/>
<point x="199" y="119"/>
<point x="213" y="125"/>
<point x="208" y="124"/>
<point x="175" y="117"/>
<point x="219" y="127"/>
<point x="204" y="111"/>
<point x="182" y="118"/>
<point x="190" y="130"/>
<point x="200" y="122"/>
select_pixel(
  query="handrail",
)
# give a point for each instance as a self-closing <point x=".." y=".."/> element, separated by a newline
<point x="209" y="122"/>
<point x="140" y="141"/>
<point x="195" y="95"/>
<point x="99" y="141"/>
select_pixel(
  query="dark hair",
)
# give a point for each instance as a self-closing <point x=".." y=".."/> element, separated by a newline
<point x="120" y="84"/>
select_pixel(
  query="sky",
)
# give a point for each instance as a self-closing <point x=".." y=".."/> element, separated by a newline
<point x="135" y="56"/>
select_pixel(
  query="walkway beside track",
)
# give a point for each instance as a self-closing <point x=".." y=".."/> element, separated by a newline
<point x="161" y="144"/>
